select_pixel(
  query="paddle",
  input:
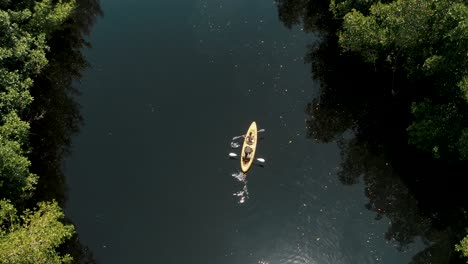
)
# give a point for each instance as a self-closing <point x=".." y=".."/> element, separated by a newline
<point x="259" y="131"/>
<point x="233" y="155"/>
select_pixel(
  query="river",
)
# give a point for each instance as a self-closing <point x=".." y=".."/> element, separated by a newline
<point x="150" y="180"/>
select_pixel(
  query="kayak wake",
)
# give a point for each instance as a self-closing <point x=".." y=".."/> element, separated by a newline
<point x="244" y="193"/>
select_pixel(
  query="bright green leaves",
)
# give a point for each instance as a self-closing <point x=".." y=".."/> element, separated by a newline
<point x="15" y="177"/>
<point x="14" y="91"/>
<point x="423" y="37"/>
<point x="23" y="43"/>
<point x="16" y="182"/>
<point x="47" y="17"/>
<point x="392" y="31"/>
<point x="362" y="35"/>
<point x="428" y="41"/>
<point x="339" y="8"/>
<point x="23" y="50"/>
<point x="14" y="128"/>
<point x="34" y="238"/>
<point x="7" y="217"/>
<point x="463" y="247"/>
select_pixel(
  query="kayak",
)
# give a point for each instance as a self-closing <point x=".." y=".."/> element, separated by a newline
<point x="248" y="148"/>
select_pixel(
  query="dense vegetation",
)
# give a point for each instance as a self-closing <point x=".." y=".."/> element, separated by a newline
<point x="394" y="73"/>
<point x="428" y="41"/>
<point x="39" y="58"/>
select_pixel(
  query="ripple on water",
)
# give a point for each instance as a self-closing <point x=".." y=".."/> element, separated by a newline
<point x="243" y="194"/>
<point x="308" y="253"/>
<point x="312" y="234"/>
<point x="249" y="213"/>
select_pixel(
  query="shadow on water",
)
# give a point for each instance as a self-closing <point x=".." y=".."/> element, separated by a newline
<point x="55" y="115"/>
<point x="420" y="195"/>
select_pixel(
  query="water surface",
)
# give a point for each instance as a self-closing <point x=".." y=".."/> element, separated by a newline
<point x="150" y="179"/>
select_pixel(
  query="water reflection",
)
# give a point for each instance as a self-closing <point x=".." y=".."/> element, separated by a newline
<point x="365" y="110"/>
<point x="387" y="193"/>
<point x="55" y="117"/>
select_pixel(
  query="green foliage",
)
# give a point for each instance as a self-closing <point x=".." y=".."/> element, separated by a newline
<point x="388" y="30"/>
<point x="48" y="17"/>
<point x="463" y="84"/>
<point x="437" y="128"/>
<point x="16" y="181"/>
<point x="424" y="37"/>
<point x="407" y="28"/>
<point x="14" y="128"/>
<point x="416" y="52"/>
<point x="33" y="237"/>
<point x="463" y="247"/>
<point x="366" y="39"/>
<point x="14" y="93"/>
<point x="339" y="8"/>
<point x="23" y="49"/>
<point x="25" y="28"/>
<point x="463" y="144"/>
<point x="22" y="56"/>
<point x="427" y="40"/>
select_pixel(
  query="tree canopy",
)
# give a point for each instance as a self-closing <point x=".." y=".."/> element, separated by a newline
<point x="427" y="40"/>
<point x="32" y="237"/>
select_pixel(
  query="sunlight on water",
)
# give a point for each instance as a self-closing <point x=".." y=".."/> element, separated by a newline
<point x="235" y="145"/>
<point x="244" y="193"/>
<point x="240" y="176"/>
<point x="303" y="252"/>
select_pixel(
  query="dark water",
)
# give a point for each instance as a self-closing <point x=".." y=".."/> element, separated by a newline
<point x="150" y="179"/>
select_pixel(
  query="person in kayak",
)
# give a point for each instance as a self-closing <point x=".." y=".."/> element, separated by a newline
<point x="250" y="139"/>
<point x="248" y="152"/>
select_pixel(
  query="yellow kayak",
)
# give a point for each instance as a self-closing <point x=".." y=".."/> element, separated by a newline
<point x="248" y="148"/>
